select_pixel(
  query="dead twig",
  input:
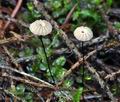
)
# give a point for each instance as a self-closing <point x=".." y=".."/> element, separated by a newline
<point x="25" y="81"/>
<point x="8" y="40"/>
<point x="15" y="38"/>
<point x="17" y="7"/>
<point x="14" y="20"/>
<point x="109" y="24"/>
<point x="112" y="75"/>
<point x="76" y="65"/>
<point x="10" y="56"/>
<point x="14" y="13"/>
<point x="101" y="82"/>
<point x="70" y="14"/>
<point x="26" y="75"/>
<point x="9" y="93"/>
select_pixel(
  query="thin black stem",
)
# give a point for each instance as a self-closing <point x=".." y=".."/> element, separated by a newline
<point x="47" y="60"/>
<point x="83" y="71"/>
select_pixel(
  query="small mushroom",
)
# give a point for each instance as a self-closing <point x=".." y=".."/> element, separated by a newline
<point x="83" y="33"/>
<point x="41" y="27"/>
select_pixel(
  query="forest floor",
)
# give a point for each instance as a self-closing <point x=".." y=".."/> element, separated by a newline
<point x="58" y="67"/>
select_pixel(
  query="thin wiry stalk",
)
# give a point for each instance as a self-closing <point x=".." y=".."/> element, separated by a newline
<point x="48" y="65"/>
<point x="83" y="71"/>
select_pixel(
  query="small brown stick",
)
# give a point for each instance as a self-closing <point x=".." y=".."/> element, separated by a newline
<point x="14" y="20"/>
<point x="49" y="97"/>
<point x="11" y="57"/>
<point x="101" y="82"/>
<point x="16" y="38"/>
<point x="26" y="75"/>
<point x="112" y="75"/>
<point x="25" y="81"/>
<point x="5" y="27"/>
<point x="14" y="13"/>
<point x="70" y="14"/>
<point x="8" y="40"/>
<point x="21" y="38"/>
<point x="109" y="24"/>
<point x="8" y="92"/>
<point x="76" y="65"/>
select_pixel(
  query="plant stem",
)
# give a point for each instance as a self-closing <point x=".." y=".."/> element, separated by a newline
<point x="47" y="60"/>
<point x="83" y="70"/>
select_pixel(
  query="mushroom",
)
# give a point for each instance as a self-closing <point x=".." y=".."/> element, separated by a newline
<point x="42" y="28"/>
<point x="83" y="34"/>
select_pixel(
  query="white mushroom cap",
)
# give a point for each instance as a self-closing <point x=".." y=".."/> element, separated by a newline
<point x="40" y="27"/>
<point x="83" y="33"/>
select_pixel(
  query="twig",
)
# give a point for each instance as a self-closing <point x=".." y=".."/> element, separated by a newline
<point x="26" y="59"/>
<point x="76" y="65"/>
<point x="112" y="75"/>
<point x="25" y="74"/>
<point x="97" y="40"/>
<point x="92" y="97"/>
<point x="8" y="92"/>
<point x="101" y="82"/>
<point x="109" y="24"/>
<point x="11" y="57"/>
<point x="49" y="97"/>
<point x="15" y="38"/>
<point x="5" y="27"/>
<point x="25" y="81"/>
<point x="101" y="64"/>
<point x="14" y="20"/>
<point x="70" y="14"/>
<point x="14" y="13"/>
<point x="8" y="40"/>
<point x="33" y="57"/>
